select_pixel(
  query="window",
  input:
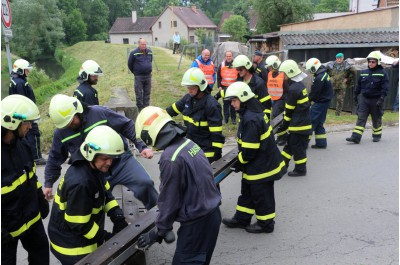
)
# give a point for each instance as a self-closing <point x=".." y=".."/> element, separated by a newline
<point x="125" y="41"/>
<point x="191" y="39"/>
<point x="174" y="24"/>
<point x="159" y="24"/>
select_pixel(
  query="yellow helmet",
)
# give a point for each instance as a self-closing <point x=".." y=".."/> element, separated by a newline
<point x="16" y="109"/>
<point x="102" y="140"/>
<point x="63" y="108"/>
<point x="194" y="77"/>
<point x="375" y="55"/>
<point x="89" y="67"/>
<point x="239" y="90"/>
<point x="272" y="61"/>
<point x="149" y="123"/>
<point x="290" y="68"/>
<point x="242" y="61"/>
<point x="20" y="65"/>
<point x="312" y="65"/>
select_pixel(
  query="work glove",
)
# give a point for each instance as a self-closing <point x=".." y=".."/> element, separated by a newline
<point x="380" y="101"/>
<point x="237" y="166"/>
<point x="356" y="100"/>
<point x="118" y="219"/>
<point x="103" y="237"/>
<point x="149" y="238"/>
<point x="218" y="95"/>
<point x="6" y="237"/>
<point x="283" y="126"/>
<point x="44" y="207"/>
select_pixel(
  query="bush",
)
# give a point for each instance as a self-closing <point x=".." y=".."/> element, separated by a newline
<point x="38" y="77"/>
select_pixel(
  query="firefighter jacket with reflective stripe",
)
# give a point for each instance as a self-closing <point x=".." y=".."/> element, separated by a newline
<point x="139" y="63"/>
<point x="19" y="188"/>
<point x="187" y="189"/>
<point x="297" y="110"/>
<point x="262" y="71"/>
<point x="19" y="85"/>
<point x="321" y="89"/>
<point x="373" y="83"/>
<point x="275" y="84"/>
<point x="86" y="93"/>
<point x="68" y="141"/>
<point x="76" y="225"/>
<point x="203" y="120"/>
<point x="227" y="74"/>
<point x="208" y="70"/>
<point x="258" y="152"/>
<point x="257" y="85"/>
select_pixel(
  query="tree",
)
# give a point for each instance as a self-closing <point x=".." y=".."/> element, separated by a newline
<point x="236" y="26"/>
<point x="328" y="6"/>
<point x="272" y="13"/>
<point x="155" y="7"/>
<point x="37" y="28"/>
<point x="118" y="8"/>
<point x="95" y="15"/>
<point x="74" y="27"/>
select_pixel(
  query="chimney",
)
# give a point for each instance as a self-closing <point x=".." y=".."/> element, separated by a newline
<point x="134" y="17"/>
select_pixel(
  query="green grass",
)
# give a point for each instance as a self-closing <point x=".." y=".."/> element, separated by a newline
<point x="112" y="58"/>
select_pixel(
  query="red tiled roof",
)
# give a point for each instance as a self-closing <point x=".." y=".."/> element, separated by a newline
<point x="193" y="17"/>
<point x="224" y="16"/>
<point x="125" y="25"/>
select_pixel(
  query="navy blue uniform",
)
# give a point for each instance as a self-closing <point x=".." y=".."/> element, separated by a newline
<point x="262" y="164"/>
<point x="321" y="94"/>
<point x="76" y="226"/>
<point x="20" y="205"/>
<point x="86" y="93"/>
<point x="373" y="84"/>
<point x="188" y="195"/>
<point x="262" y="71"/>
<point x="297" y="122"/>
<point x="139" y="63"/>
<point x="203" y="120"/>
<point x="126" y="170"/>
<point x="257" y="86"/>
<point x="19" y="85"/>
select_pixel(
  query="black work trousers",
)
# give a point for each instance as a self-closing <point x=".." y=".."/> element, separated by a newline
<point x="142" y="90"/>
<point x="258" y="199"/>
<point x="296" y="147"/>
<point x="34" y="241"/>
<point x="366" y="107"/>
<point x="196" y="241"/>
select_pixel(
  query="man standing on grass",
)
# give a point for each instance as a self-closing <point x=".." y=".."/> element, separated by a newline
<point x="139" y="64"/>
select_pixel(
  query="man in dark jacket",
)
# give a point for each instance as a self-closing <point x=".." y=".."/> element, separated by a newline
<point x="296" y="119"/>
<point x="73" y="123"/>
<point x="260" y="161"/>
<point x="321" y="94"/>
<point x="187" y="191"/>
<point x="19" y="85"/>
<point x="139" y="63"/>
<point x="22" y="200"/>
<point x="76" y="226"/>
<point x="88" y="76"/>
<point x="259" y="65"/>
<point x="373" y="85"/>
<point x="257" y="84"/>
<point x="201" y="113"/>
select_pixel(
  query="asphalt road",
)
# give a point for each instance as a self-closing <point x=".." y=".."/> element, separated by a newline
<point x="345" y="211"/>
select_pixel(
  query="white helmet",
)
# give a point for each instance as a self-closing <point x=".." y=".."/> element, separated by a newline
<point x="313" y="64"/>
<point x="194" y="77"/>
<point x="89" y="67"/>
<point x="375" y="55"/>
<point x="290" y="68"/>
<point x="20" y="65"/>
<point x="272" y="61"/>
<point x="16" y="109"/>
<point x="242" y="61"/>
<point x="239" y="90"/>
<point x="63" y="108"/>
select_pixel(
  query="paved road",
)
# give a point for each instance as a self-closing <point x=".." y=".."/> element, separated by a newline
<point x="345" y="211"/>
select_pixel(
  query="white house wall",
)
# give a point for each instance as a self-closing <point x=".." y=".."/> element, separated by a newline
<point x="165" y="34"/>
<point x="133" y="38"/>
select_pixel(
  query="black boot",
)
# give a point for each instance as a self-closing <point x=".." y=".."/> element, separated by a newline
<point x="256" y="228"/>
<point x="233" y="223"/>
<point x="376" y="139"/>
<point x="314" y="146"/>
<point x="296" y="173"/>
<point x="353" y="140"/>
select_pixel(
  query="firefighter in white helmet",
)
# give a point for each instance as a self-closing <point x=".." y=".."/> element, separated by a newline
<point x="22" y="200"/>
<point x="296" y="119"/>
<point x="188" y="194"/>
<point x="88" y="76"/>
<point x="373" y="85"/>
<point x="19" y="85"/>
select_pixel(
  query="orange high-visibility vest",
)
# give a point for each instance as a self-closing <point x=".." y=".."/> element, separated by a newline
<point x="208" y="71"/>
<point x="275" y="85"/>
<point x="228" y="75"/>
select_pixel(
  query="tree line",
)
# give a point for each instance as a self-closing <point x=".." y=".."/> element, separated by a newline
<point x="39" y="26"/>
